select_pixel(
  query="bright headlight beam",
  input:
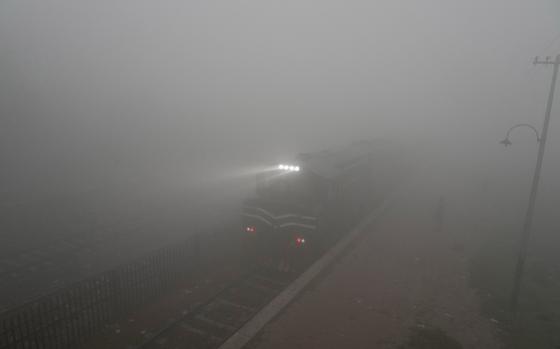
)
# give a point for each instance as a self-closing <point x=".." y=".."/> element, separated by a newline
<point x="290" y="168"/>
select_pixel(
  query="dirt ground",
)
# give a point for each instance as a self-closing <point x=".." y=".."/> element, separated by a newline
<point x="403" y="276"/>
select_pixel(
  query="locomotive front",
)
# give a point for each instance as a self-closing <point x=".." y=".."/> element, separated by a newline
<point x="281" y="220"/>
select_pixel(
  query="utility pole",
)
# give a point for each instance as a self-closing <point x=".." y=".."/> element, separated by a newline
<point x="534" y="186"/>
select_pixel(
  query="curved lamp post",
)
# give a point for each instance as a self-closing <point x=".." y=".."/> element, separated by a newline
<point x="522" y="253"/>
<point x="506" y="142"/>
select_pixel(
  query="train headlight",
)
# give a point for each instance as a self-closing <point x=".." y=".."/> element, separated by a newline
<point x="300" y="241"/>
<point x="289" y="168"/>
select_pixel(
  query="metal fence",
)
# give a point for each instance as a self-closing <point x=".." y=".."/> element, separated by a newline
<point x="71" y="315"/>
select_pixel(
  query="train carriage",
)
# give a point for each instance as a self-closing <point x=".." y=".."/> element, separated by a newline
<point x="302" y="206"/>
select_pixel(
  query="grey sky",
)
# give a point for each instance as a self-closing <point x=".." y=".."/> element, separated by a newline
<point x="96" y="87"/>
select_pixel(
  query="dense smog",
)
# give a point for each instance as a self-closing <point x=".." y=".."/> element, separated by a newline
<point x="279" y="174"/>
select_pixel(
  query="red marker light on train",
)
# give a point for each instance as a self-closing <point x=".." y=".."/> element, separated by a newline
<point x="250" y="229"/>
<point x="300" y="241"/>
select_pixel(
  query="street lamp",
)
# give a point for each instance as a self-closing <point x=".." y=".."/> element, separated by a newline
<point x="506" y="142"/>
<point x="522" y="253"/>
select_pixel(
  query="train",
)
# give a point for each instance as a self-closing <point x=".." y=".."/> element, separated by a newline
<point x="301" y="206"/>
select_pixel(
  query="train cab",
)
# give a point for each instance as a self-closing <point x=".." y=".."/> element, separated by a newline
<point x="300" y="207"/>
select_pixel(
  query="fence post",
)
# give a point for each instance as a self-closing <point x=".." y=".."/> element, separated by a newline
<point x="115" y="299"/>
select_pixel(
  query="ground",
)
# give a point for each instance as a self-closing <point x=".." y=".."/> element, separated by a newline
<point x="403" y="283"/>
<point x="406" y="282"/>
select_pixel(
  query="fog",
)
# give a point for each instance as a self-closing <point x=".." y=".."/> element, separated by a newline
<point x="116" y="112"/>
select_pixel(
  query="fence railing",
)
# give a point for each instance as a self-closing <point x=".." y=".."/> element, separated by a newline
<point x="69" y="316"/>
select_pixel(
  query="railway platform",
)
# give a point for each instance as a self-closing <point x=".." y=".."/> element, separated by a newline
<point x="401" y="285"/>
<point x="399" y="280"/>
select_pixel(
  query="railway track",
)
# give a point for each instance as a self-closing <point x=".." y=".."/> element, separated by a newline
<point x="210" y="324"/>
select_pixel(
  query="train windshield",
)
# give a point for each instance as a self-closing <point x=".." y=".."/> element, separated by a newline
<point x="293" y="188"/>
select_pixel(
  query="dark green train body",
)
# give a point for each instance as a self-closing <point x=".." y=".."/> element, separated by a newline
<point x="307" y="204"/>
